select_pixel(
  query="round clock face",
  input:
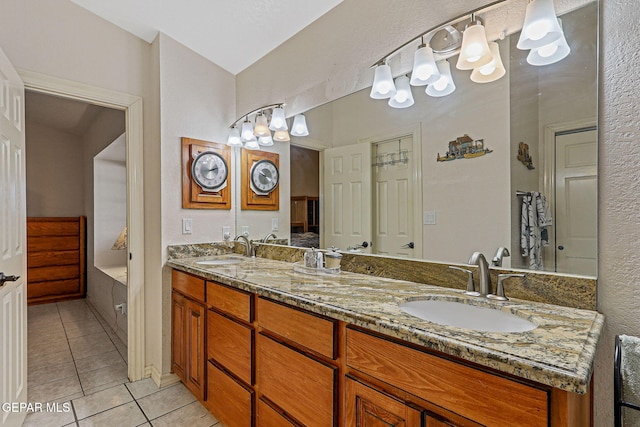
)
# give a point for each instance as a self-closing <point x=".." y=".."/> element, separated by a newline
<point x="209" y="170"/>
<point x="264" y="176"/>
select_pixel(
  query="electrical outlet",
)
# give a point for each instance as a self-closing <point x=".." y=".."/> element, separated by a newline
<point x="244" y="230"/>
<point x="274" y="224"/>
<point x="226" y="233"/>
<point x="186" y="226"/>
<point x="429" y="218"/>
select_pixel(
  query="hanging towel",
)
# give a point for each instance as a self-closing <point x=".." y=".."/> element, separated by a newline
<point x="630" y="373"/>
<point x="535" y="218"/>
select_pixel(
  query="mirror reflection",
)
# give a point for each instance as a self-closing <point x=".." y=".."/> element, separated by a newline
<point x="452" y="175"/>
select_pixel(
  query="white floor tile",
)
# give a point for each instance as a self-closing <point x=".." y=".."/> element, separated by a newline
<point x="101" y="401"/>
<point x="166" y="400"/>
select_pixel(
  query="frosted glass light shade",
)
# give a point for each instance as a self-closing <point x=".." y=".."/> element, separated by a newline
<point x="425" y="70"/>
<point x="278" y="121"/>
<point x="261" y="128"/>
<point x="540" y="26"/>
<point x="234" y="137"/>
<point x="493" y="70"/>
<point x="281" y="136"/>
<point x="403" y="97"/>
<point x="474" y="52"/>
<point x="444" y="86"/>
<point x="265" y="141"/>
<point x="383" y="86"/>
<point x="252" y="144"/>
<point x="247" y="131"/>
<point x="299" y="127"/>
<point x="551" y="53"/>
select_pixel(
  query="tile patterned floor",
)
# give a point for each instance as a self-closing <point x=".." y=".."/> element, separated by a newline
<point x="77" y="362"/>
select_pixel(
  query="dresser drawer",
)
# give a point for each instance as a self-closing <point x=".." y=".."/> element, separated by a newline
<point x="188" y="285"/>
<point x="483" y="397"/>
<point x="230" y="301"/>
<point x="229" y="343"/>
<point x="309" y="330"/>
<point x="266" y="416"/>
<point x="301" y="386"/>
<point x="229" y="401"/>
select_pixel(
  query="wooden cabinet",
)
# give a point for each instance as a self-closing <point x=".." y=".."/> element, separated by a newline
<point x="367" y="407"/>
<point x="230" y="401"/>
<point x="230" y="345"/>
<point x="188" y="325"/>
<point x="268" y="416"/>
<point x="305" y="213"/>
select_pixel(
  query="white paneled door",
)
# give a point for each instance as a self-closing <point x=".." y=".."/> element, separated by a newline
<point x="577" y="202"/>
<point x="13" y="291"/>
<point x="347" y="196"/>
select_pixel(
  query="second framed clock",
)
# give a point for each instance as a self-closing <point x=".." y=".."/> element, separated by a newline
<point x="206" y="175"/>
<point x="260" y="180"/>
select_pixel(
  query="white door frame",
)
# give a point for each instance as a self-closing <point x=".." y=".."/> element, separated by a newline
<point x="548" y="156"/>
<point x="132" y="107"/>
<point x="416" y="177"/>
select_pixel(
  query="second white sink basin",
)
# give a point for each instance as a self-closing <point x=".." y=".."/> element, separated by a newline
<point x="221" y="261"/>
<point x="461" y="315"/>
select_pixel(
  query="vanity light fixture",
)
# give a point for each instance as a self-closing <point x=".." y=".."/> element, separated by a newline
<point x="425" y="70"/>
<point x="383" y="86"/>
<point x="299" y="127"/>
<point x="403" y="97"/>
<point x="491" y="72"/>
<point x="445" y="85"/>
<point x="551" y="53"/>
<point x="474" y="52"/>
<point x="540" y="26"/>
<point x="267" y="118"/>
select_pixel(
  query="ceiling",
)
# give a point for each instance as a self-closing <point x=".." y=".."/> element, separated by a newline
<point x="232" y="34"/>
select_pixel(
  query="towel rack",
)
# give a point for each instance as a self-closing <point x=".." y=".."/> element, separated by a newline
<point x="619" y="402"/>
<point x="520" y="193"/>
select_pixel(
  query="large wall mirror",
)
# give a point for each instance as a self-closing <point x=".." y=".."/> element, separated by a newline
<point x="380" y="180"/>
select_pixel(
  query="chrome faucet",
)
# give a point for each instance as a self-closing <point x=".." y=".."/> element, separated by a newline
<point x="500" y="253"/>
<point x="485" y="279"/>
<point x="266" y="238"/>
<point x="246" y="243"/>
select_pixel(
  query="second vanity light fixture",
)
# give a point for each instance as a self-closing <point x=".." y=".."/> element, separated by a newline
<point x="541" y="33"/>
<point x="268" y="118"/>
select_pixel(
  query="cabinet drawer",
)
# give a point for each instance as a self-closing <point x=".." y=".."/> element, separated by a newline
<point x="188" y="285"/>
<point x="233" y="302"/>
<point x="229" y="343"/>
<point x="266" y="416"/>
<point x="229" y="401"/>
<point x="309" y="330"/>
<point x="485" y="398"/>
<point x="296" y="383"/>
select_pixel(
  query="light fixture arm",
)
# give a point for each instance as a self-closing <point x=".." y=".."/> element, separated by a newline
<point x="454" y="21"/>
<point x="257" y="110"/>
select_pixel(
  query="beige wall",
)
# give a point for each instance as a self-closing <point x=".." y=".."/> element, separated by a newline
<point x="54" y="172"/>
<point x="337" y="49"/>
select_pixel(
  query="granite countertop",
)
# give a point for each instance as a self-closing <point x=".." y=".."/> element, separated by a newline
<point x="560" y="352"/>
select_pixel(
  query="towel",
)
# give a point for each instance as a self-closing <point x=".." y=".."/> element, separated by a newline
<point x="534" y="234"/>
<point x="630" y="373"/>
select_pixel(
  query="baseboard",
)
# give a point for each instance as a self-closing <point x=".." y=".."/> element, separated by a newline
<point x="161" y="380"/>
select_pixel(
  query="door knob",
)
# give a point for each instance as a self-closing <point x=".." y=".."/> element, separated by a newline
<point x="560" y="248"/>
<point x="409" y="245"/>
<point x="4" y="278"/>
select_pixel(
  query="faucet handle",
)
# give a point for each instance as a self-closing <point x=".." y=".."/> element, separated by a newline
<point x="499" y="295"/>
<point x="471" y="289"/>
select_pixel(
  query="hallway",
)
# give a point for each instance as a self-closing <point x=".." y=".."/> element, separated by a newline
<point x="76" y="360"/>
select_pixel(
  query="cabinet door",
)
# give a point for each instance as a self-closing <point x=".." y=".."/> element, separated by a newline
<point x="195" y="325"/>
<point x="367" y="407"/>
<point x="178" y="335"/>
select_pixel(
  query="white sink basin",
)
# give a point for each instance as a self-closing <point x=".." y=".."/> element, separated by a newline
<point x="222" y="261"/>
<point x="461" y="315"/>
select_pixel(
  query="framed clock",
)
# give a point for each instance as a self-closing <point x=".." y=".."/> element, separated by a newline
<point x="260" y="176"/>
<point x="206" y="175"/>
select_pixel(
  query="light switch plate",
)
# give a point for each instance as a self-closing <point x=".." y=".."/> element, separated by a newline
<point x="186" y="226"/>
<point x="429" y="218"/>
<point x="274" y="224"/>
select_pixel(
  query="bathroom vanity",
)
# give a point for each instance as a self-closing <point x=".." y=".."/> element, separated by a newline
<point x="262" y="345"/>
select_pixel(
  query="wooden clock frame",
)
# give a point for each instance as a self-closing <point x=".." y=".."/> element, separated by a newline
<point x="249" y="199"/>
<point x="194" y="196"/>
